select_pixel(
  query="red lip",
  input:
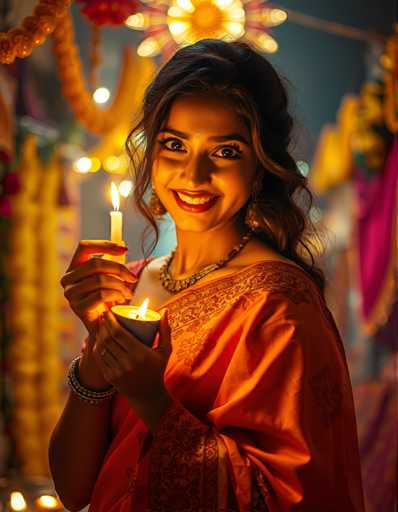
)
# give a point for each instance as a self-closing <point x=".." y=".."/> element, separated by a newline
<point x="194" y="208"/>
<point x="194" y="193"/>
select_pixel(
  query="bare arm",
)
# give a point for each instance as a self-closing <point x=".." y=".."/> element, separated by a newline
<point x="79" y="443"/>
<point x="82" y="435"/>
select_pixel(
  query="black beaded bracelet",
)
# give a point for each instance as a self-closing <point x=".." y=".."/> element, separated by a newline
<point x="87" y="395"/>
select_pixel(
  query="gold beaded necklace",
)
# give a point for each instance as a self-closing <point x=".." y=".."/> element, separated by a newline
<point x="176" y="285"/>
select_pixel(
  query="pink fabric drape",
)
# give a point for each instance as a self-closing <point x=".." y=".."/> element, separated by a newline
<point x="377" y="239"/>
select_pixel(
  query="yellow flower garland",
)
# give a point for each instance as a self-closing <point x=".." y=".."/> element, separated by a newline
<point x="390" y="83"/>
<point x="74" y="88"/>
<point x="20" y="41"/>
<point x="33" y="356"/>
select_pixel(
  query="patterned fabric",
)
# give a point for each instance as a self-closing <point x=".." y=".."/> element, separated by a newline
<point x="262" y="418"/>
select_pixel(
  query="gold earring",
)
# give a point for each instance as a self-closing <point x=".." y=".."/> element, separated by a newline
<point x="252" y="214"/>
<point x="155" y="205"/>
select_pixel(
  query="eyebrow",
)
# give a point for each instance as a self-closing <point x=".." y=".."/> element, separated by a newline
<point x="216" y="138"/>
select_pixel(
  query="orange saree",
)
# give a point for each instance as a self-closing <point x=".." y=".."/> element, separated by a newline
<point x="263" y="416"/>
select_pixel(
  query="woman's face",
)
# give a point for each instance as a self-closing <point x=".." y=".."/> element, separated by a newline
<point x="204" y="164"/>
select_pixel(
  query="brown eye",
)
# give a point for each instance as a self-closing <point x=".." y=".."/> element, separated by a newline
<point x="232" y="152"/>
<point x="171" y="144"/>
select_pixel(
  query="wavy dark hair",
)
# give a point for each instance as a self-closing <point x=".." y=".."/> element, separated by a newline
<point x="237" y="72"/>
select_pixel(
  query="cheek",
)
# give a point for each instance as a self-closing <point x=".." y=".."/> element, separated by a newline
<point x="236" y="185"/>
<point x="163" y="171"/>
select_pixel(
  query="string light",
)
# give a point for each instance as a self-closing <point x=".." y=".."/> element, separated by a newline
<point x="125" y="188"/>
<point x="101" y="95"/>
<point x="95" y="164"/>
<point x="112" y="163"/>
<point x="83" y="165"/>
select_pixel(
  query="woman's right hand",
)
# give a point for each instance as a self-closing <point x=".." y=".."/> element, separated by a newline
<point x="92" y="285"/>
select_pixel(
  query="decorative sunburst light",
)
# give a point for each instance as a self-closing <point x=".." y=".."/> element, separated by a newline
<point x="175" y="23"/>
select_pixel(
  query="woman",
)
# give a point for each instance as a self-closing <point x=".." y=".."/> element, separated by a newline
<point x="244" y="403"/>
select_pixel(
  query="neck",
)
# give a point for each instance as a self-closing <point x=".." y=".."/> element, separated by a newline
<point x="195" y="251"/>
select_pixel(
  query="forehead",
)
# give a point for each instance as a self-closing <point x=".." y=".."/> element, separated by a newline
<point x="205" y="114"/>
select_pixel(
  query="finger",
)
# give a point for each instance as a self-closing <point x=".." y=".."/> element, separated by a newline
<point x="101" y="349"/>
<point x="164" y="344"/>
<point x="94" y="283"/>
<point x="96" y="303"/>
<point x="98" y="266"/>
<point x="124" y="337"/>
<point x="117" y="351"/>
<point x="87" y="248"/>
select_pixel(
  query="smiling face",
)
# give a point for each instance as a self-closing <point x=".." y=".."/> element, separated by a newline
<point x="204" y="164"/>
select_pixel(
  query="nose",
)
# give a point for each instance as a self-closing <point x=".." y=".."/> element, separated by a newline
<point x="197" y="169"/>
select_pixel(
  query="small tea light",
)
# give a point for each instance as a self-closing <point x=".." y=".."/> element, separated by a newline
<point x="48" y="502"/>
<point x="139" y="320"/>
<point x="17" y="501"/>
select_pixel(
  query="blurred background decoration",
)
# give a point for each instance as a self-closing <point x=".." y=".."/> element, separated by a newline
<point x="72" y="81"/>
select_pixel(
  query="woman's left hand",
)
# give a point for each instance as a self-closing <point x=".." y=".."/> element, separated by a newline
<point x="134" y="369"/>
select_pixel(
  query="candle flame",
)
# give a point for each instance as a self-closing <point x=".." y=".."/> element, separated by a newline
<point x="115" y="197"/>
<point x="142" y="309"/>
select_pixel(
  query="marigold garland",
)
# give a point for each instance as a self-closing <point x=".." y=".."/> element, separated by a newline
<point x="33" y="355"/>
<point x="74" y="87"/>
<point x="20" y="41"/>
<point x="391" y="83"/>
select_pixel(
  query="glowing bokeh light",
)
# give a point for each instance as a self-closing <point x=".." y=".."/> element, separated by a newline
<point x="137" y="21"/>
<point x="95" y="164"/>
<point x="112" y="163"/>
<point x="17" y="501"/>
<point x="47" y="502"/>
<point x="125" y="188"/>
<point x="82" y="165"/>
<point x="101" y="95"/>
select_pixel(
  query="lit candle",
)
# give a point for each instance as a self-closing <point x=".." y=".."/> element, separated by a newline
<point x="139" y="320"/>
<point x="17" y="501"/>
<point x="116" y="216"/>
<point x="48" y="502"/>
<point x="116" y="224"/>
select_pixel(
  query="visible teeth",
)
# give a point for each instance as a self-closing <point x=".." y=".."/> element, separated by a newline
<point x="194" y="200"/>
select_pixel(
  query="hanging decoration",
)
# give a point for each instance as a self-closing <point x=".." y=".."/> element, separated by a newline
<point x="371" y="138"/>
<point x="36" y="323"/>
<point x="94" y="55"/>
<point x="20" y="41"/>
<point x="108" y="12"/>
<point x="332" y="163"/>
<point x="390" y="62"/>
<point x="169" y="25"/>
<point x="70" y="71"/>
